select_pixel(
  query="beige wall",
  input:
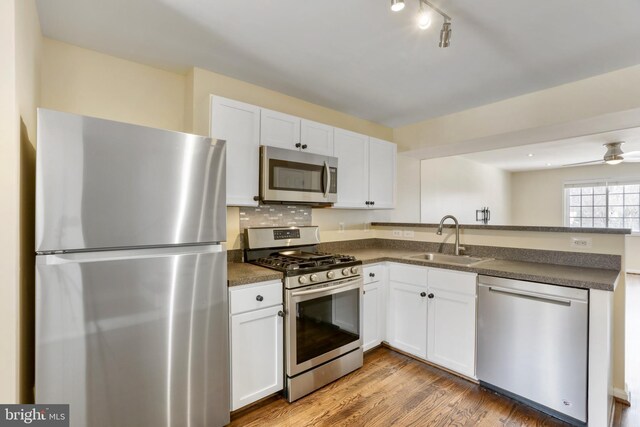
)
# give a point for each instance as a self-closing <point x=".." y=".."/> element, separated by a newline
<point x="205" y="83"/>
<point x="20" y="42"/>
<point x="538" y="197"/>
<point x="604" y="94"/>
<point x="633" y="254"/>
<point x="83" y="81"/>
<point x="458" y="186"/>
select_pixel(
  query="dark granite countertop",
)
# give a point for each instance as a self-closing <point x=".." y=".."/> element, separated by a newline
<point x="563" y="275"/>
<point x="555" y="274"/>
<point x="240" y="273"/>
<point x="509" y="227"/>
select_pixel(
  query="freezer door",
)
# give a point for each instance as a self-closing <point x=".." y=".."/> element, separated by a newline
<point x="134" y="338"/>
<point x="105" y="184"/>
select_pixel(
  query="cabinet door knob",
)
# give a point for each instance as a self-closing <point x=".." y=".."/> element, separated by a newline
<point x="364" y="292"/>
<point x="423" y="294"/>
<point x="298" y="145"/>
<point x="304" y="146"/>
<point x="281" y="313"/>
<point x="256" y="198"/>
<point x="259" y="298"/>
<point x="373" y="203"/>
<point x="431" y="295"/>
<point x="367" y="203"/>
<point x="372" y="274"/>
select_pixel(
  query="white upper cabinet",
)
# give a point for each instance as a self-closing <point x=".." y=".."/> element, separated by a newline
<point x="239" y="124"/>
<point x="293" y="133"/>
<point x="279" y="130"/>
<point x="366" y="168"/>
<point x="352" y="151"/>
<point x="366" y="171"/>
<point x="382" y="174"/>
<point x="316" y="138"/>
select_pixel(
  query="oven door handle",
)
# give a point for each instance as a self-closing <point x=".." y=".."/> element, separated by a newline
<point x="350" y="283"/>
<point x="326" y="179"/>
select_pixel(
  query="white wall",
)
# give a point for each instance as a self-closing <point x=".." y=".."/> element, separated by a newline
<point x="9" y="172"/>
<point x="457" y="186"/>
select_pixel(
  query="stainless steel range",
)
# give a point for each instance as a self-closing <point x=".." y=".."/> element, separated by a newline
<point x="322" y="305"/>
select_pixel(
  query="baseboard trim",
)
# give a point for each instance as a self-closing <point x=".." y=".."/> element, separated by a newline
<point x="622" y="396"/>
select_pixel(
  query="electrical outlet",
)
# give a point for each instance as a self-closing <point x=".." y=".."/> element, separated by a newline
<point x="408" y="233"/>
<point x="341" y="227"/>
<point x="397" y="233"/>
<point x="581" y="242"/>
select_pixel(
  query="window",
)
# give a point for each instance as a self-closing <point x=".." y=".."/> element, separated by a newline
<point x="603" y="205"/>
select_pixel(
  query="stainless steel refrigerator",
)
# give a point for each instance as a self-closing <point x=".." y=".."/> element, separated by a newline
<point x="131" y="287"/>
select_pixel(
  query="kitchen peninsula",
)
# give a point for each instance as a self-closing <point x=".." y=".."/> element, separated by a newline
<point x="391" y="262"/>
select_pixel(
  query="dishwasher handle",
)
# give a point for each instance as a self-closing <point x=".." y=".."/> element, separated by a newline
<point x="530" y="295"/>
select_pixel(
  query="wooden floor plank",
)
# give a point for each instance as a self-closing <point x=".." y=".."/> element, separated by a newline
<point x="392" y="389"/>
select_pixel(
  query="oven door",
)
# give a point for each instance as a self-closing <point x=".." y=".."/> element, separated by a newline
<point x="293" y="176"/>
<point x="323" y="322"/>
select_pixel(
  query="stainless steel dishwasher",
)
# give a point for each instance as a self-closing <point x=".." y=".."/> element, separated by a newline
<point x="532" y="344"/>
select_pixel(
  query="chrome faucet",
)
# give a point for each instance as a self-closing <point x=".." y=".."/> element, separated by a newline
<point x="439" y="232"/>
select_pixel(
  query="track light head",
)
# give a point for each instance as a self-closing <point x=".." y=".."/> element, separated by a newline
<point x="445" y="34"/>
<point x="424" y="18"/>
<point x="397" y="5"/>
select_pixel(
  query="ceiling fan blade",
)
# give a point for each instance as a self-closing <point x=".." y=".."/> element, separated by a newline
<point x="632" y="154"/>
<point x="593" y="162"/>
<point x="631" y="160"/>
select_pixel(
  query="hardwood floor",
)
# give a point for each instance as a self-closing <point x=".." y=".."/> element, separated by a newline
<point x="629" y="416"/>
<point x="393" y="389"/>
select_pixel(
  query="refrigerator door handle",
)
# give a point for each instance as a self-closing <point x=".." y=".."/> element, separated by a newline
<point x="137" y="253"/>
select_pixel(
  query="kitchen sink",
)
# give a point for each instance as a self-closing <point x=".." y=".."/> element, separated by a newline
<point x="465" y="260"/>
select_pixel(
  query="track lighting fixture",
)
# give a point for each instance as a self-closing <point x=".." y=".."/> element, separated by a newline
<point x="445" y="34"/>
<point x="424" y="19"/>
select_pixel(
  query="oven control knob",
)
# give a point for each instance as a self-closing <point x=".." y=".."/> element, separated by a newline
<point x="331" y="274"/>
<point x="314" y="277"/>
<point x="302" y="280"/>
<point x="354" y="270"/>
<point x="345" y="271"/>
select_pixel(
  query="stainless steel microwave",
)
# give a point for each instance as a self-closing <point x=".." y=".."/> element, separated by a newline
<point x="288" y="176"/>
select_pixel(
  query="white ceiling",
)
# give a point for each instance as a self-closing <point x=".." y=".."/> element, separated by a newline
<point x="556" y="154"/>
<point x="357" y="56"/>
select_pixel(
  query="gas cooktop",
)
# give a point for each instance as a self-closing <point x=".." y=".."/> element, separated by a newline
<point x="300" y="262"/>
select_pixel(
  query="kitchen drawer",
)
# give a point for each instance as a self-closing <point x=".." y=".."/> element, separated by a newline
<point x="372" y="273"/>
<point x="408" y="274"/>
<point x="255" y="296"/>
<point x="459" y="282"/>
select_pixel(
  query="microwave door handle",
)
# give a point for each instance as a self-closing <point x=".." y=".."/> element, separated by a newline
<point x="326" y="179"/>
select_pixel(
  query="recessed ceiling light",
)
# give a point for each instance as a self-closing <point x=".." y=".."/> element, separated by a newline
<point x="530" y="155"/>
<point x="548" y="164"/>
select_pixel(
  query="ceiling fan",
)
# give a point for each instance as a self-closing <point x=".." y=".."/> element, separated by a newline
<point x="613" y="156"/>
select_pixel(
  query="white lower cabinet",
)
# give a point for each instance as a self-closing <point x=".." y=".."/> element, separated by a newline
<point x="256" y="343"/>
<point x="431" y="314"/>
<point x="373" y="305"/>
<point x="407" y="310"/>
<point x="451" y="325"/>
